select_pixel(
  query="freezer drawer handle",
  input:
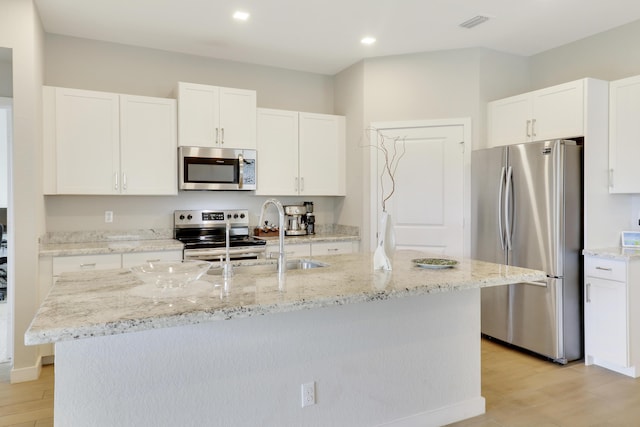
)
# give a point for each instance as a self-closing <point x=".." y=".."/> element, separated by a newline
<point x="604" y="268"/>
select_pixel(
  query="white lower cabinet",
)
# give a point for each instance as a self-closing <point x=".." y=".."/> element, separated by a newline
<point x="291" y="250"/>
<point x="610" y="319"/>
<point x="332" y="248"/>
<point x="131" y="259"/>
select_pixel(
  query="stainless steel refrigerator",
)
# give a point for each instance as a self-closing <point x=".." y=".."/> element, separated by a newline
<point x="527" y="212"/>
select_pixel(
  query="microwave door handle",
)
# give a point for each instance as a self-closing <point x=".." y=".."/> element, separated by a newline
<point x="240" y="171"/>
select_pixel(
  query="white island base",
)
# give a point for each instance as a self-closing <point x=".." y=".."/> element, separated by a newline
<point x="402" y="362"/>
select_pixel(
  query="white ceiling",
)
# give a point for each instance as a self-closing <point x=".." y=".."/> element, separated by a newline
<point x="323" y="36"/>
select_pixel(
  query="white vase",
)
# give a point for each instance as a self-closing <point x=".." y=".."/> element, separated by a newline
<point x="386" y="244"/>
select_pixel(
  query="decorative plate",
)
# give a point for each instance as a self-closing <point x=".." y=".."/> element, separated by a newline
<point x="435" y="262"/>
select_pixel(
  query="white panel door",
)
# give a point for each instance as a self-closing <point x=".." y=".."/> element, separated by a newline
<point x="87" y="142"/>
<point x="148" y="145"/>
<point x="427" y="207"/>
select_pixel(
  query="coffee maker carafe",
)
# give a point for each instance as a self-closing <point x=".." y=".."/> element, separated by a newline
<point x="296" y="220"/>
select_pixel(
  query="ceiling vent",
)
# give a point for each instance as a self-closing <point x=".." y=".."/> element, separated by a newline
<point x="476" y="20"/>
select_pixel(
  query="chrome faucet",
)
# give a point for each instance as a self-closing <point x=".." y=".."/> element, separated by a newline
<point x="281" y="259"/>
<point x="227" y="269"/>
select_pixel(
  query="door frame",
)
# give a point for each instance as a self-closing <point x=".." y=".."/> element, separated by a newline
<point x="375" y="208"/>
<point x="7" y="104"/>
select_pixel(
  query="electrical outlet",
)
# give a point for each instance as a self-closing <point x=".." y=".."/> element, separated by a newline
<point x="108" y="216"/>
<point x="308" y="394"/>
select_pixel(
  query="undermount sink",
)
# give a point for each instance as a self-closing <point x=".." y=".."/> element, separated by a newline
<point x="293" y="264"/>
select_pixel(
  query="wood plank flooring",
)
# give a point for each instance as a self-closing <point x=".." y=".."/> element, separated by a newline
<point x="520" y="390"/>
<point x="28" y="404"/>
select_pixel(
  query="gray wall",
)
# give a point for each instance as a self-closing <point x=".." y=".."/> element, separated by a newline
<point x="610" y="55"/>
<point x="6" y="73"/>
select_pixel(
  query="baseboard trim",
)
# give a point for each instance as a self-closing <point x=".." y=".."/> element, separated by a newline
<point x="442" y="416"/>
<point x="30" y="373"/>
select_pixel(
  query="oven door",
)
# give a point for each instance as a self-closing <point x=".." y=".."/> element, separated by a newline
<point x="202" y="168"/>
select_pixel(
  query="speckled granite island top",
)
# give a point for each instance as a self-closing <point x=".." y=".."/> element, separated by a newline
<point x="99" y="303"/>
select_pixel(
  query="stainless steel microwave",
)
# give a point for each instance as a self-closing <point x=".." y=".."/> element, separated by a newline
<point x="204" y="168"/>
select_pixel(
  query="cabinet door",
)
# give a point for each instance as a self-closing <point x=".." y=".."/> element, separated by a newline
<point x="331" y="248"/>
<point x="136" y="258"/>
<point x="624" y="135"/>
<point x="64" y="264"/>
<point x="322" y="155"/>
<point x="148" y="145"/>
<point x="237" y="118"/>
<point x="558" y="111"/>
<point x="198" y="122"/>
<point x="87" y="142"/>
<point x="509" y="120"/>
<point x="277" y="152"/>
<point x="605" y="315"/>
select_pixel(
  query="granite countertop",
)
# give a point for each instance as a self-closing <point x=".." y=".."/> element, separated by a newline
<point x="110" y="302"/>
<point x="109" y="247"/>
<point x="310" y="238"/>
<point x="625" y="254"/>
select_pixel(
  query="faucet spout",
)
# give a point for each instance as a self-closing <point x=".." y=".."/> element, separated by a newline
<point x="281" y="257"/>
<point x="227" y="268"/>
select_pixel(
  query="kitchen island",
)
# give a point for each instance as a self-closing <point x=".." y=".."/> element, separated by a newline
<point x="399" y="347"/>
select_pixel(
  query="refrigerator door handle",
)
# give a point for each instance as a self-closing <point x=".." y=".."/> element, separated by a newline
<point x="500" y="205"/>
<point x="507" y="203"/>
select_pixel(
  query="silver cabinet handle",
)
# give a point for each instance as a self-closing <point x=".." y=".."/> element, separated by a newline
<point x="88" y="265"/>
<point x="302" y="184"/>
<point x="153" y="260"/>
<point x="124" y="181"/>
<point x="217" y="134"/>
<point x="604" y="268"/>
<point x="333" y="249"/>
<point x="116" y="177"/>
<point x="533" y="127"/>
<point x="296" y="188"/>
<point x="588" y="293"/>
<point x="528" y="127"/>
<point x="222" y="136"/>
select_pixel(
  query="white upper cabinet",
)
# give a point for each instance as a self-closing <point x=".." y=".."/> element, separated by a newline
<point x="277" y="152"/>
<point x="106" y="143"/>
<point x="148" y="147"/>
<point x="624" y="135"/>
<point x="553" y="112"/>
<point x="212" y="116"/>
<point x="300" y="153"/>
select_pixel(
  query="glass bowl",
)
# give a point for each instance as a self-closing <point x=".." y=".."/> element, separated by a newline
<point x="170" y="274"/>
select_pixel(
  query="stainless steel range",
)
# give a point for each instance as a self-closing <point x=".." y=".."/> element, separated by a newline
<point x="203" y="233"/>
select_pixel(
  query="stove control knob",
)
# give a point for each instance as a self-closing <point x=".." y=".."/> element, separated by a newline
<point x="181" y="217"/>
<point x="235" y="216"/>
<point x="228" y="216"/>
<point x="241" y="215"/>
<point x="189" y="217"/>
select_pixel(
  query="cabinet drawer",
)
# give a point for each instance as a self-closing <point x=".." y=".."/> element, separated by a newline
<point x="85" y="262"/>
<point x="137" y="258"/>
<point x="331" y="248"/>
<point x="296" y="250"/>
<point x="606" y="268"/>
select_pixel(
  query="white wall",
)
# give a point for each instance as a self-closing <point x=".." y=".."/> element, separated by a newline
<point x="20" y="30"/>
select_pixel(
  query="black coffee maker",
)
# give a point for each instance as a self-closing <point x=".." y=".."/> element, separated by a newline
<point x="311" y="218"/>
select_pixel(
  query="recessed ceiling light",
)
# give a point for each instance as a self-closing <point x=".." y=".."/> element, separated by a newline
<point x="240" y="16"/>
<point x="368" y="40"/>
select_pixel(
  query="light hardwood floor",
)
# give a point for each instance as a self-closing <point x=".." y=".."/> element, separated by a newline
<point x="28" y="404"/>
<point x="520" y="390"/>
